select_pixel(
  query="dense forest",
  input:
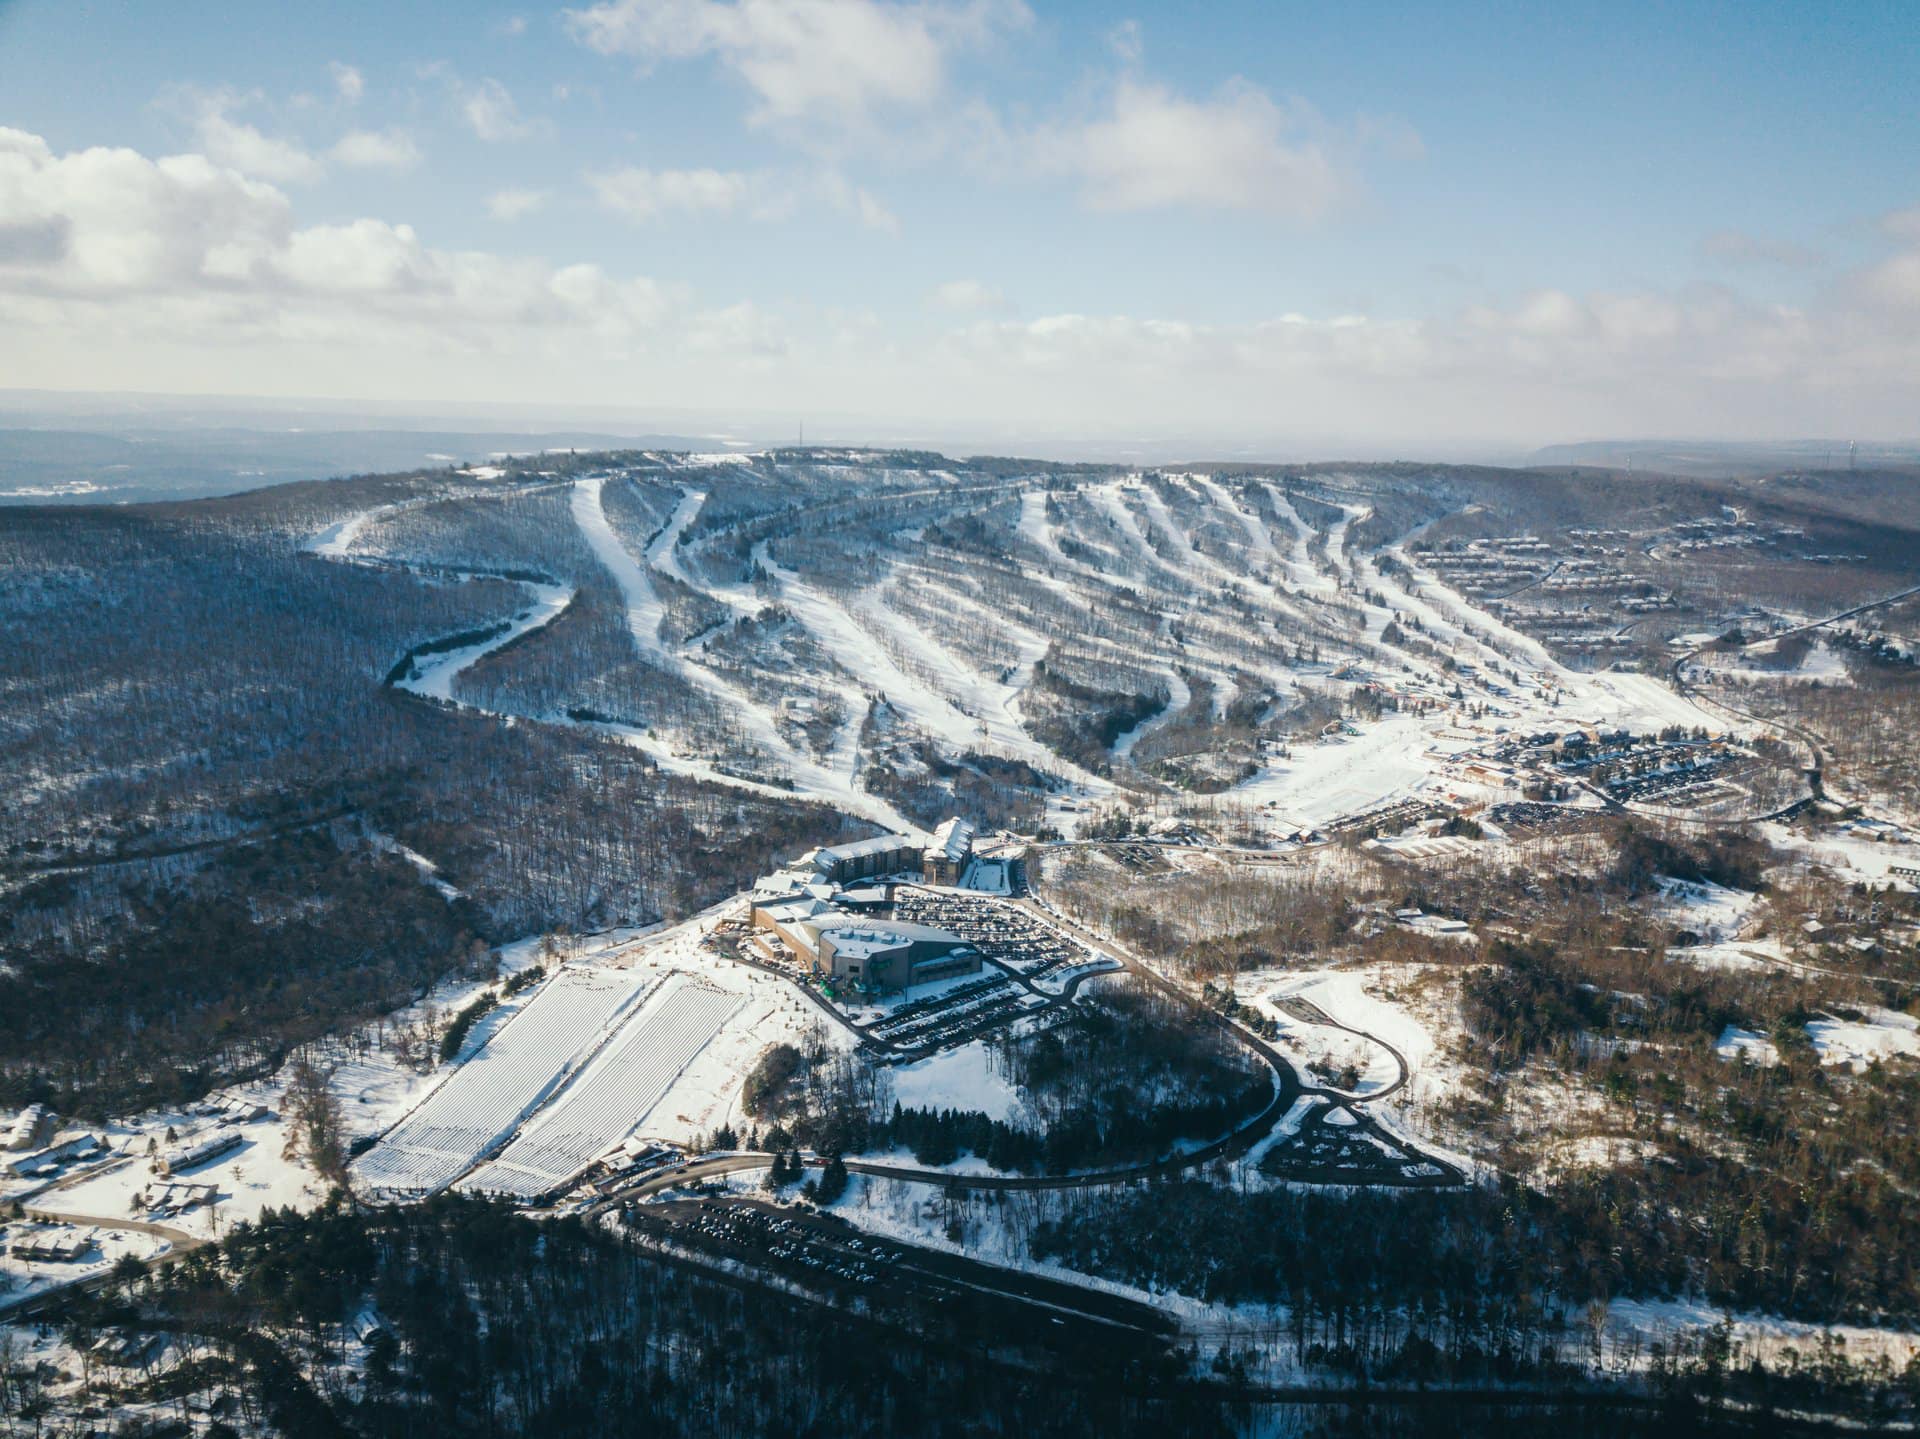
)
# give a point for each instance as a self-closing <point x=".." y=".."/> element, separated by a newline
<point x="460" y="1317"/>
<point x="207" y="777"/>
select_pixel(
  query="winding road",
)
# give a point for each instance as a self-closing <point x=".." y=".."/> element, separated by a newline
<point x="1288" y="1088"/>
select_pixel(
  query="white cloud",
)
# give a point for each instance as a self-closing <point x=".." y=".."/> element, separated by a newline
<point x="644" y="196"/>
<point x="124" y="271"/>
<point x="514" y="204"/>
<point x="348" y="82"/>
<point x="1238" y="150"/>
<point x="1896" y="281"/>
<point x="198" y="249"/>
<point x="1902" y="226"/>
<point x="513" y="26"/>
<point x="743" y="330"/>
<point x="833" y="60"/>
<point x="492" y="113"/>
<point x="242" y="147"/>
<point x="850" y="199"/>
<point x="376" y="150"/>
<point x="647" y="196"/>
<point x="873" y="214"/>
<point x="966" y="295"/>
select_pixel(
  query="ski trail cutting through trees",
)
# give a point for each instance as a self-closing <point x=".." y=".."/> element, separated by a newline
<point x="644" y="614"/>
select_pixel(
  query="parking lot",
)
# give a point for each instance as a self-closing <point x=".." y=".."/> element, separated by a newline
<point x="828" y="1256"/>
<point x="955" y="1016"/>
<point x="1004" y="934"/>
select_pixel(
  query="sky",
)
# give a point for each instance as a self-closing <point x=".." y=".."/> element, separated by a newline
<point x="1273" y="228"/>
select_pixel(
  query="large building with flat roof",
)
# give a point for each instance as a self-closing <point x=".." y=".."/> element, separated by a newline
<point x="884" y="955"/>
<point x="869" y="954"/>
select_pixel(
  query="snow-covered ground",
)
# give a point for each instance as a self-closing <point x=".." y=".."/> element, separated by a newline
<point x="644" y="614"/>
<point x="433" y="675"/>
<point x="1711" y="911"/>
<point x="22" y="1279"/>
<point x="1383" y="1000"/>
<point x="1820" y="664"/>
<point x="961" y="1079"/>
<point x="1321" y="781"/>
<point x="1877" y="1034"/>
<point x="652" y="1038"/>
<point x="614" y="1094"/>
<point x="1745" y="1044"/>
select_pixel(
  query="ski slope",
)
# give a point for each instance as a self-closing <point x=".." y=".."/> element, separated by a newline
<point x="434" y="675"/>
<point x="614" y="1095"/>
<point x="486" y="1098"/>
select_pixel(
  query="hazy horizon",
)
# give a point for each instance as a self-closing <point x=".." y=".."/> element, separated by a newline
<point x="1288" y="232"/>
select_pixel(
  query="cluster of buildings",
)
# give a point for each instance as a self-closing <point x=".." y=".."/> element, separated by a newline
<point x="196" y="1150"/>
<point x="54" y="1245"/>
<point x="40" y="1163"/>
<point x="27" y="1127"/>
<point x="828" y="910"/>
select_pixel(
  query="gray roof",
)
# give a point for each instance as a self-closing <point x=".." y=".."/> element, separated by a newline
<point x="861" y="848"/>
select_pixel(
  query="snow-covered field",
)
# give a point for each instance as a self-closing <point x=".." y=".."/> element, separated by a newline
<point x="495" y="1090"/>
<point x="1712" y="911"/>
<point x="1206" y="562"/>
<point x="651" y="1038"/>
<point x="958" y="1079"/>
<point x="433" y="675"/>
<point x="1875" y="1035"/>
<point x="615" y="1094"/>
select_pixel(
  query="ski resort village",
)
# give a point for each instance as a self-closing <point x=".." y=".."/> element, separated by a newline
<point x="1284" y="929"/>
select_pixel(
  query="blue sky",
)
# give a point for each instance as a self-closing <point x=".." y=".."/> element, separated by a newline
<point x="1288" y="227"/>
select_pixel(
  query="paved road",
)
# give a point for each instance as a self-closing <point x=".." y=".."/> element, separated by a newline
<point x="1314" y="1014"/>
<point x="179" y="1240"/>
<point x="1287" y="1087"/>
<point x="1821" y="750"/>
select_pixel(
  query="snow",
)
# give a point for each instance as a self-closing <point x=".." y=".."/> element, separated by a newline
<point x="664" y="551"/>
<point x="1711" y="910"/>
<point x="651" y="1037"/>
<point x="1745" y="1044"/>
<point x="645" y="610"/>
<point x="1766" y="1336"/>
<point x="1322" y="781"/>
<point x="1179" y="695"/>
<point x="615" y="1094"/>
<point x="433" y="675"/>
<point x="1299" y="561"/>
<point x="1820" y="664"/>
<point x="336" y="541"/>
<point x="1878" y="1034"/>
<point x="940" y="693"/>
<point x="486" y="1097"/>
<point x="373" y="1088"/>
<point x="644" y="614"/>
<point x="987" y="876"/>
<point x="1845" y="851"/>
<point x="428" y="871"/>
<point x="1598" y="1151"/>
<point x="23" y="1279"/>
<point x="960" y="1079"/>
<point x="247" y="1180"/>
